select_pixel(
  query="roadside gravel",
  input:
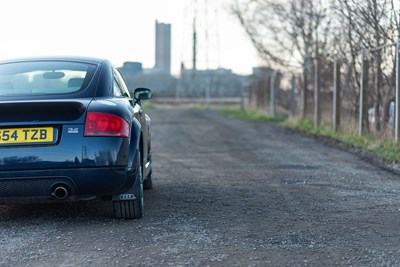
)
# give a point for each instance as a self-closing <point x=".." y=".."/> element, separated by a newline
<point x="226" y="193"/>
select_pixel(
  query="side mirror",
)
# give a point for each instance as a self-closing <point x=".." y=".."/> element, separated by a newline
<point x="142" y="93"/>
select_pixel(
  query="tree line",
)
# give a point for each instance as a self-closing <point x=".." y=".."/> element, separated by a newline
<point x="296" y="35"/>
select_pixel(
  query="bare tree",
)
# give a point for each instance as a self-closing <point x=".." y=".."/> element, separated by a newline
<point x="292" y="34"/>
<point x="288" y="33"/>
<point x="372" y="25"/>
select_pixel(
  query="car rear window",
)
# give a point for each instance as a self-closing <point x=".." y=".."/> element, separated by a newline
<point x="44" y="77"/>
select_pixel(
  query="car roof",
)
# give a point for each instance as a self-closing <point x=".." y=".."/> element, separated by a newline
<point x="56" y="58"/>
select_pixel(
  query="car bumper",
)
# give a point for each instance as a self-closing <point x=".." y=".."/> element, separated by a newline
<point x="80" y="183"/>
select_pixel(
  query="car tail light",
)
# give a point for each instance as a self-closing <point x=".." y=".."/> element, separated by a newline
<point x="104" y="124"/>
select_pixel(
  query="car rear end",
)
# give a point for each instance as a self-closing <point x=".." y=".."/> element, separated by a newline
<point x="52" y="147"/>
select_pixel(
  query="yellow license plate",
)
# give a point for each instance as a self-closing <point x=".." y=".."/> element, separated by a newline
<point x="26" y="135"/>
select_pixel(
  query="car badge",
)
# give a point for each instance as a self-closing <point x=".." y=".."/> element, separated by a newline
<point x="73" y="130"/>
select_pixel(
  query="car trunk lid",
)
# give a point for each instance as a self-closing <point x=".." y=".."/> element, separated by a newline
<point x="42" y="134"/>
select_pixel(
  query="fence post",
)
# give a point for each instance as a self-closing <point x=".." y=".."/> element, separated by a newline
<point x="293" y="102"/>
<point x="272" y="103"/>
<point x="207" y="93"/>
<point x="336" y="96"/>
<point x="242" y="99"/>
<point x="397" y="106"/>
<point x="363" y="112"/>
<point x="266" y="101"/>
<point x="317" y="110"/>
<point x="304" y="93"/>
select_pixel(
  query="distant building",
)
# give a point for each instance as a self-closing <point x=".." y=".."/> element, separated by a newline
<point x="212" y="83"/>
<point x="159" y="78"/>
<point x="163" y="48"/>
<point x="133" y="67"/>
<point x="129" y="71"/>
<point x="262" y="71"/>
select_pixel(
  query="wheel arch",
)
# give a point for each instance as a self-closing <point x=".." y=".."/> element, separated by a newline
<point x="135" y="143"/>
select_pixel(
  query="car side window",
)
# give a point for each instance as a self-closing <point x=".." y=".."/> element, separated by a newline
<point x="117" y="89"/>
<point x="120" y="81"/>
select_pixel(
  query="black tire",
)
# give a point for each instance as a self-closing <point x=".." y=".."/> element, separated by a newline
<point x="148" y="182"/>
<point x="131" y="209"/>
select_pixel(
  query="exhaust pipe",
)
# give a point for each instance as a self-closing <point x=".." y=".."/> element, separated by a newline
<point x="60" y="192"/>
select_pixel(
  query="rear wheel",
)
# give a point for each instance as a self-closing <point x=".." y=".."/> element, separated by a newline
<point x="131" y="209"/>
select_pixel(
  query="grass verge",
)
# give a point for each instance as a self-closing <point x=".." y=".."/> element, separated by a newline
<point x="146" y="105"/>
<point x="252" y="115"/>
<point x="387" y="150"/>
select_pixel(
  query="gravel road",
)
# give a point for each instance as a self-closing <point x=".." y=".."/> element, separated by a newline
<point x="226" y="193"/>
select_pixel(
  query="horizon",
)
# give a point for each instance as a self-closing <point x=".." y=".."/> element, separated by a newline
<point x="112" y="32"/>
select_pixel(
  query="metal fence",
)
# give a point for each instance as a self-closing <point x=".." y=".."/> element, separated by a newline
<point x="361" y="97"/>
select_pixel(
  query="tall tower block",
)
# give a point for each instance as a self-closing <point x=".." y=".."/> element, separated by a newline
<point x="163" y="47"/>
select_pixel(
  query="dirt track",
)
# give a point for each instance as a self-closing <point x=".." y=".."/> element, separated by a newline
<point x="227" y="193"/>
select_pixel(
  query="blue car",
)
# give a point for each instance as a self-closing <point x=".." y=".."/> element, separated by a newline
<point x="71" y="131"/>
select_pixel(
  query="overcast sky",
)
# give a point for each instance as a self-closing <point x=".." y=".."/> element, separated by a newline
<point x="123" y="30"/>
